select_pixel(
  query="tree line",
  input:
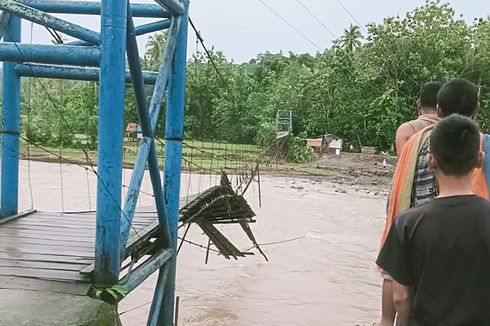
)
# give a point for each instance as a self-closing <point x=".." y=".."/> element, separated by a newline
<point x="360" y="89"/>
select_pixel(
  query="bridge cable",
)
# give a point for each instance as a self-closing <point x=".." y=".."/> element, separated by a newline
<point x="290" y="25"/>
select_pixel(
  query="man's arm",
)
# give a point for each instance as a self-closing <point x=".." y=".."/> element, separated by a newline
<point x="401" y="297"/>
<point x="404" y="132"/>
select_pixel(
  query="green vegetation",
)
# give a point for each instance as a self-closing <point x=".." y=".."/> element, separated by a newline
<point x="361" y="89"/>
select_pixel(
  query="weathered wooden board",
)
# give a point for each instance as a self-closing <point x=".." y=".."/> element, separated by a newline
<point x="47" y="251"/>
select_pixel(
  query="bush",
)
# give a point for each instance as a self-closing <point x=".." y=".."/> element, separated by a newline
<point x="297" y="151"/>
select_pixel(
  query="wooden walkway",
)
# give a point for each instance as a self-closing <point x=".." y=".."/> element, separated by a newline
<point x="54" y="251"/>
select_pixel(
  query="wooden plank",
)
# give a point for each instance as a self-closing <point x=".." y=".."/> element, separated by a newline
<point x="80" y="231"/>
<point x="41" y="265"/>
<point x="46" y="251"/>
<point x="50" y="222"/>
<point x="47" y="258"/>
<point x="8" y="241"/>
<point x="53" y="229"/>
<point x="22" y="283"/>
<point x="15" y="217"/>
<point x="4" y="230"/>
<point x="57" y="237"/>
<point x="60" y="238"/>
<point x="44" y="274"/>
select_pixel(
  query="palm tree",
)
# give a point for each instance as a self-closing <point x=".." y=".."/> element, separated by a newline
<point x="154" y="48"/>
<point x="351" y="39"/>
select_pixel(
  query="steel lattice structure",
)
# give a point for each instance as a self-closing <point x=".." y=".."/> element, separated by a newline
<point x="103" y="56"/>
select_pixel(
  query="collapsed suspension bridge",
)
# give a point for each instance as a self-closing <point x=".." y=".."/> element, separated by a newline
<point x="110" y="252"/>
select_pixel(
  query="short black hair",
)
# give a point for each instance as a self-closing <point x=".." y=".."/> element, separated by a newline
<point x="428" y="94"/>
<point x="455" y="144"/>
<point x="458" y="96"/>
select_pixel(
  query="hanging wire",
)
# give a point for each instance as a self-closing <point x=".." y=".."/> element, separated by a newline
<point x="29" y="106"/>
<point x="201" y="171"/>
<point x="124" y="170"/>
<point x="62" y="192"/>
<point x="211" y="166"/>
<point x="290" y="25"/>
<point x="189" y="176"/>
<point x="88" y="190"/>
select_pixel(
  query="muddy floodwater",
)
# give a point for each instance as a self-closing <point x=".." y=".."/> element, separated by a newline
<point x="321" y="239"/>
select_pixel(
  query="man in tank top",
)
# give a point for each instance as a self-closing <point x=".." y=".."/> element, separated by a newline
<point x="427" y="109"/>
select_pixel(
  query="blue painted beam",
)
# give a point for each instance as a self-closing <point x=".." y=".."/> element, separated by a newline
<point x="72" y="73"/>
<point x="160" y="88"/>
<point x="9" y="195"/>
<point x="152" y="27"/>
<point x="133" y="191"/>
<point x="156" y="303"/>
<point x="144" y="119"/>
<point x="142" y="272"/>
<point x="139" y="30"/>
<point x="145" y="154"/>
<point x="174" y="134"/>
<point x="93" y="8"/>
<point x="144" y="150"/>
<point x="55" y="54"/>
<point x="50" y="21"/>
<point x="175" y="7"/>
<point x="137" y="77"/>
<point x="110" y="152"/>
<point x="160" y="204"/>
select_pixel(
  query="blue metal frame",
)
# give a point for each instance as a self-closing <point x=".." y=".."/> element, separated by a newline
<point x="11" y="123"/>
<point x="50" y="21"/>
<point x="69" y="55"/>
<point x="60" y="72"/>
<point x="174" y="135"/>
<point x="93" y="8"/>
<point x="111" y="141"/>
<point x="109" y="51"/>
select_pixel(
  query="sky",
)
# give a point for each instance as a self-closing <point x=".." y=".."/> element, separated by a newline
<point x="242" y="29"/>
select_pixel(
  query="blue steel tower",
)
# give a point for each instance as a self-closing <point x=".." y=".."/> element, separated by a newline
<point x="110" y="57"/>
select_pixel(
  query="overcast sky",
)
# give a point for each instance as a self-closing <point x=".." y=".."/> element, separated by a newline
<point x="242" y="29"/>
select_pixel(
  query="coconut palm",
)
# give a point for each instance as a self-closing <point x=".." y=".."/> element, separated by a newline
<point x="351" y="39"/>
<point x="154" y="48"/>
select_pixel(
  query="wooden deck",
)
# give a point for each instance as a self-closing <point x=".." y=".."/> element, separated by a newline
<point x="53" y="251"/>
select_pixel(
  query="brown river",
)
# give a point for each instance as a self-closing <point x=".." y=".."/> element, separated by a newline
<point x="321" y="242"/>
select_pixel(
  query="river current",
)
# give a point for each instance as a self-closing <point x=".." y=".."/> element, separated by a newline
<point x="321" y="241"/>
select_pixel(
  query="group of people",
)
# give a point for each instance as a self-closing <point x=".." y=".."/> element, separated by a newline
<point x="435" y="249"/>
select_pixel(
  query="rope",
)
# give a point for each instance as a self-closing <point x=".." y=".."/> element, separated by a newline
<point x="135" y="308"/>
<point x="277" y="242"/>
<point x="88" y="191"/>
<point x="199" y="245"/>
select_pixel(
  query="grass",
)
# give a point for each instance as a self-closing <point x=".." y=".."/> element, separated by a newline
<point x="198" y="157"/>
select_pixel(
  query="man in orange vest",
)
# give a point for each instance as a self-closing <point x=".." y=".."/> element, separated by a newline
<point x="427" y="109"/>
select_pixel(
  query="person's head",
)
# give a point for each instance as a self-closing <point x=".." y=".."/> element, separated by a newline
<point x="455" y="147"/>
<point x="458" y="96"/>
<point x="427" y="101"/>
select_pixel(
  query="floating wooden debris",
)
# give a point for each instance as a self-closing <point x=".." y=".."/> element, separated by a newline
<point x="221" y="205"/>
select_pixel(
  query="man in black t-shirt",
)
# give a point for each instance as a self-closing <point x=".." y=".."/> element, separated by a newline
<point x="439" y="253"/>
